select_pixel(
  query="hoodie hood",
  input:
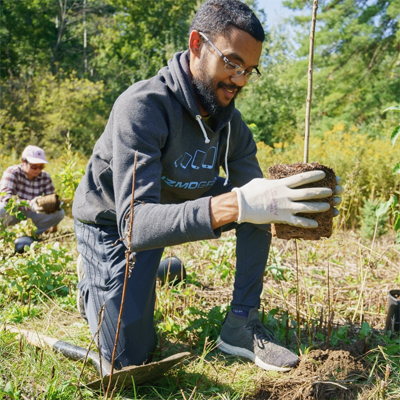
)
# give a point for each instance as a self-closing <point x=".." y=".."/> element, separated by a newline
<point x="178" y="78"/>
<point x="178" y="160"/>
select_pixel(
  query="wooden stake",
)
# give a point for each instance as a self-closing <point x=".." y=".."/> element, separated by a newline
<point x="127" y="275"/>
<point x="297" y="289"/>
<point x="310" y="76"/>
<point x="329" y="307"/>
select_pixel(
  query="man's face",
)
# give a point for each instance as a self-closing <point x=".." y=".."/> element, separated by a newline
<point x="215" y="87"/>
<point x="32" y="170"/>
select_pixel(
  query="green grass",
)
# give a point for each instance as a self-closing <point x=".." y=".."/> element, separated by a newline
<point x="330" y="292"/>
<point x="189" y="316"/>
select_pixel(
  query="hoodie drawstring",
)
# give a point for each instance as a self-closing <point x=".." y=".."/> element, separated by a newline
<point x="198" y="117"/>
<point x="226" y="154"/>
<point x="207" y="140"/>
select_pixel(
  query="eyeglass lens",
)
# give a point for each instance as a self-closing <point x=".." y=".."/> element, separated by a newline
<point x="35" y="167"/>
<point x="240" y="71"/>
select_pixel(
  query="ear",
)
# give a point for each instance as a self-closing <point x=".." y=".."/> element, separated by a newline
<point x="195" y="42"/>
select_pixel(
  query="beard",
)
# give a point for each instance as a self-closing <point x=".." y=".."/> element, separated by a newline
<point x="206" y="89"/>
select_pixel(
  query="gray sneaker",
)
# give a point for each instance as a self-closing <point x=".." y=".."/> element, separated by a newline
<point x="80" y="302"/>
<point x="251" y="339"/>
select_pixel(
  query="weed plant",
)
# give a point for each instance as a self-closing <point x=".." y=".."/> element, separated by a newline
<point x="370" y="225"/>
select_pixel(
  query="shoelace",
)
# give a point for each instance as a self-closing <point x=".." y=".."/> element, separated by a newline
<point x="261" y="333"/>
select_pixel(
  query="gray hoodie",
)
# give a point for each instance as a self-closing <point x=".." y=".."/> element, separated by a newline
<point x="179" y="158"/>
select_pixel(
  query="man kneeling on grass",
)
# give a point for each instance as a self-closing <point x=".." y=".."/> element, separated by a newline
<point x="184" y="126"/>
<point x="28" y="181"/>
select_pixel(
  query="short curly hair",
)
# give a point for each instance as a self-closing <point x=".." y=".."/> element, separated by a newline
<point x="218" y="17"/>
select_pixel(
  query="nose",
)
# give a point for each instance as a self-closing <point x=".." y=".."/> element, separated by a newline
<point x="239" y="80"/>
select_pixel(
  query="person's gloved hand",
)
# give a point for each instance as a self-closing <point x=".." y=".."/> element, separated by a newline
<point x="262" y="201"/>
<point x="35" y="207"/>
<point x="337" y="199"/>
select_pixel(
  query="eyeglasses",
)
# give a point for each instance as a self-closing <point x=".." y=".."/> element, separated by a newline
<point x="36" y="166"/>
<point x="233" y="68"/>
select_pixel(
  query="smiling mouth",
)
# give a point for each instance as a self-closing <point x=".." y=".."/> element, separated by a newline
<point x="229" y="93"/>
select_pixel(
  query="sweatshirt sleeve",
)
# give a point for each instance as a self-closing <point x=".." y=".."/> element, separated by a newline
<point x="7" y="185"/>
<point x="134" y="129"/>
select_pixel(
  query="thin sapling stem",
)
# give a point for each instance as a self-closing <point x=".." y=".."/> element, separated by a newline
<point x="127" y="274"/>
<point x="310" y="77"/>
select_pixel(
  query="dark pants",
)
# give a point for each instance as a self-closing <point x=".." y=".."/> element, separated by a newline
<point x="104" y="265"/>
<point x="42" y="221"/>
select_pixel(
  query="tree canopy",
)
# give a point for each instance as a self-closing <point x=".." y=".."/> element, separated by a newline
<point x="64" y="62"/>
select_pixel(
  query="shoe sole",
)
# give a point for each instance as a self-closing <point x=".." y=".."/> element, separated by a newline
<point x="239" y="351"/>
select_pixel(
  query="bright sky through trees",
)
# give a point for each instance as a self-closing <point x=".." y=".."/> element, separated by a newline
<point x="275" y="10"/>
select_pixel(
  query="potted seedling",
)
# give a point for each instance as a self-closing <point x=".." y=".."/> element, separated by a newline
<point x="324" y="219"/>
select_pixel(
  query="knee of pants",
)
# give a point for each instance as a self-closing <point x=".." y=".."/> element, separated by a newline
<point x="7" y="219"/>
<point x="59" y="216"/>
<point x="56" y="217"/>
<point x="3" y="211"/>
<point x="45" y="221"/>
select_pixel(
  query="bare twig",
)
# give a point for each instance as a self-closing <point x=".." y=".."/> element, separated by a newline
<point x="115" y="388"/>
<point x="298" y="343"/>
<point x="180" y="388"/>
<point x="373" y="239"/>
<point x="330" y="322"/>
<point x="101" y="318"/>
<point x="329" y="306"/>
<point x="99" y="323"/>
<point x="127" y="274"/>
<point x="310" y="75"/>
<point x="329" y="383"/>
<point x="196" y="386"/>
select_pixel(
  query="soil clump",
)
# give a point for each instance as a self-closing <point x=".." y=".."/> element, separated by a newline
<point x="324" y="219"/>
<point x="320" y="375"/>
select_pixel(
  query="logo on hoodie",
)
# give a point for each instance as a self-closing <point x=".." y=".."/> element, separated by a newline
<point x="200" y="159"/>
<point x="188" y="185"/>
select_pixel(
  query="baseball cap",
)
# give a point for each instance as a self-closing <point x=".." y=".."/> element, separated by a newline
<point x="34" y="155"/>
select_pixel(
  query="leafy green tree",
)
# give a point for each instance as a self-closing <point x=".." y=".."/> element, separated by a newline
<point x="267" y="105"/>
<point x="356" y="53"/>
<point x="45" y="72"/>
<point x="139" y="38"/>
<point x="39" y="34"/>
<point x="43" y="109"/>
<point x="27" y="31"/>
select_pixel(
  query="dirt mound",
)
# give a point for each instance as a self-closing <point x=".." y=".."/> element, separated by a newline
<point x="321" y="375"/>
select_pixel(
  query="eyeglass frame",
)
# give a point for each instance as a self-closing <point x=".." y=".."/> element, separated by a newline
<point x="239" y="70"/>
<point x="35" y="166"/>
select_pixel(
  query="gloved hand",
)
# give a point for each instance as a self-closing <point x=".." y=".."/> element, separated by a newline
<point x="262" y="201"/>
<point x="337" y="199"/>
<point x="35" y="207"/>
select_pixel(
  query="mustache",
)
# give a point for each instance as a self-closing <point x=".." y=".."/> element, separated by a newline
<point x="231" y="86"/>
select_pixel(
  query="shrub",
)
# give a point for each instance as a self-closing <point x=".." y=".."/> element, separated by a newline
<point x="364" y="164"/>
<point x="369" y="220"/>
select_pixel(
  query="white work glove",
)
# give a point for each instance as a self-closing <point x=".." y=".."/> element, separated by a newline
<point x="34" y="206"/>
<point x="264" y="201"/>
<point x="337" y="199"/>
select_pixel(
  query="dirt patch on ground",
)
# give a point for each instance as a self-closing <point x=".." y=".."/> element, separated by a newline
<point x="321" y="374"/>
